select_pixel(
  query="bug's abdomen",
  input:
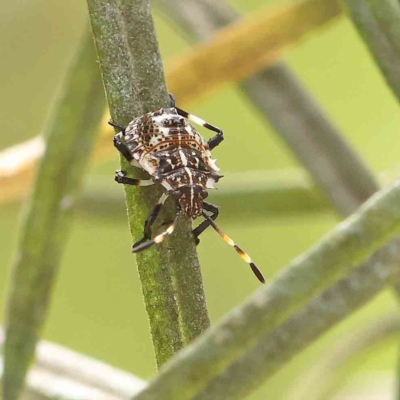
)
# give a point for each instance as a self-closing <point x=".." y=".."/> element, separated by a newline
<point x="169" y="161"/>
<point x="185" y="177"/>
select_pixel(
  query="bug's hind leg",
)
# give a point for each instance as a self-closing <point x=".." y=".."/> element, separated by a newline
<point x="244" y="256"/>
<point x="140" y="246"/>
<point x="150" y="221"/>
<point x="205" y="224"/>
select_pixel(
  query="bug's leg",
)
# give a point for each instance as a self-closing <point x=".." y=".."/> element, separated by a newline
<point x="150" y="221"/>
<point x="121" y="147"/>
<point x="120" y="177"/>
<point x="205" y="224"/>
<point x="118" y="144"/>
<point x="115" y="125"/>
<point x="245" y="257"/>
<point x="215" y="140"/>
<point x="159" y="238"/>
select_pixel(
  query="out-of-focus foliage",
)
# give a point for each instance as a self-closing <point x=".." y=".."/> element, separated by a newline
<point x="92" y="310"/>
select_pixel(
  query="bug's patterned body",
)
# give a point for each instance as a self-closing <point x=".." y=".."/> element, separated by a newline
<point x="169" y="148"/>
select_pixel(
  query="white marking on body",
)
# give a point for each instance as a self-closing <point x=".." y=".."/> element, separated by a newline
<point x="191" y="184"/>
<point x="159" y="118"/>
<point x="183" y="158"/>
<point x="210" y="183"/>
<point x="165" y="131"/>
<point x="212" y="163"/>
<point x="154" y="140"/>
<point x="148" y="166"/>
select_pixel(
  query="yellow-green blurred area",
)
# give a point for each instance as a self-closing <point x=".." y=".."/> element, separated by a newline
<point x="97" y="305"/>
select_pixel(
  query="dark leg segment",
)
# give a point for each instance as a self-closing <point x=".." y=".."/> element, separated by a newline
<point x="118" y="144"/>
<point x="150" y="221"/>
<point x="115" y="125"/>
<point x="205" y="224"/>
<point x="121" y="178"/>
<point x="140" y="246"/>
<point x="121" y="147"/>
<point x="214" y="141"/>
<point x="244" y="256"/>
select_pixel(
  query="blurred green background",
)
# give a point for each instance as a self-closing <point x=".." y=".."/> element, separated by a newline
<point x="97" y="305"/>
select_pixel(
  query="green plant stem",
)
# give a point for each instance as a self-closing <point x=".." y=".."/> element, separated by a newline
<point x="338" y="253"/>
<point x="378" y="23"/>
<point x="345" y="180"/>
<point x="297" y="118"/>
<point x="48" y="219"/>
<point x="324" y="374"/>
<point x="304" y="327"/>
<point x="60" y="373"/>
<point x="134" y="82"/>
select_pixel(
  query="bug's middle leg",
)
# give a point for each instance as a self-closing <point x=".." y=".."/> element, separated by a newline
<point x="120" y="177"/>
<point x="205" y="224"/>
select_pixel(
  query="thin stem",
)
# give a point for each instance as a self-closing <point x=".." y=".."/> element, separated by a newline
<point x="297" y="118"/>
<point x="246" y="46"/>
<point x="134" y="82"/>
<point x="16" y="172"/>
<point x="378" y="23"/>
<point x="338" y="253"/>
<point x="60" y="373"/>
<point x="324" y="373"/>
<point x="304" y="327"/>
<point x="48" y="219"/>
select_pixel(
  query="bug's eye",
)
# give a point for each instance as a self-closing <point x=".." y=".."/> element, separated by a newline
<point x="204" y="194"/>
<point x="165" y="122"/>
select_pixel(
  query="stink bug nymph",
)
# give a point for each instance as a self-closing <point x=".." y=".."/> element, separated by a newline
<point x="164" y="144"/>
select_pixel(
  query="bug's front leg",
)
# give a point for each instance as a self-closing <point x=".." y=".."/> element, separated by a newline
<point x="215" y="140"/>
<point x="205" y="224"/>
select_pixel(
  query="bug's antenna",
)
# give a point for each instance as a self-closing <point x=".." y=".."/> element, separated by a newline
<point x="241" y="253"/>
<point x="158" y="239"/>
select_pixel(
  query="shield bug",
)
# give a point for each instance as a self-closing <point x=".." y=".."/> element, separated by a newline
<point x="165" y="145"/>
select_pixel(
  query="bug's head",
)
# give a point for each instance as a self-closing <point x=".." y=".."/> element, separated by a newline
<point x="190" y="199"/>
